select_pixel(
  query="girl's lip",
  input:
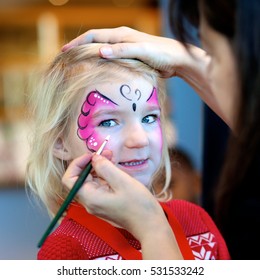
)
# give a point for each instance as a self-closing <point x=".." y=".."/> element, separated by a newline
<point x="134" y="163"/>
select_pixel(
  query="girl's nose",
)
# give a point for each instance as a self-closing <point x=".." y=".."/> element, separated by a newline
<point x="136" y="137"/>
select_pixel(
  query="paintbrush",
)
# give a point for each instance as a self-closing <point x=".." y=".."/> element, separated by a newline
<point x="82" y="177"/>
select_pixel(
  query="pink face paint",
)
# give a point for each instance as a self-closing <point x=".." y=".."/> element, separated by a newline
<point x="153" y="99"/>
<point x="86" y="127"/>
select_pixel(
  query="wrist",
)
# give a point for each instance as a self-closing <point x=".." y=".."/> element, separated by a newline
<point x="158" y="241"/>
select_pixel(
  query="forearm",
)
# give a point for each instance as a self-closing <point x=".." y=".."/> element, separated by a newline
<point x="157" y="238"/>
<point x="193" y="71"/>
<point x="160" y="245"/>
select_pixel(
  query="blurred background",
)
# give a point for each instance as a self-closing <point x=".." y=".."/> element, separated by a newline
<point x="31" y="32"/>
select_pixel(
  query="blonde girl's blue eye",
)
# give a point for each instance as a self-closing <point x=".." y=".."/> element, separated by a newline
<point x="150" y="119"/>
<point x="108" y="123"/>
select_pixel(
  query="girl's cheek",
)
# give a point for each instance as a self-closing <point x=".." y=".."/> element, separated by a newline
<point x="160" y="139"/>
<point x="95" y="141"/>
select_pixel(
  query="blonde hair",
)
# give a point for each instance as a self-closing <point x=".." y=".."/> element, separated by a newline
<point x="53" y="107"/>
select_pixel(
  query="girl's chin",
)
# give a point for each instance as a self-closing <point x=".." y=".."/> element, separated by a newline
<point x="145" y="181"/>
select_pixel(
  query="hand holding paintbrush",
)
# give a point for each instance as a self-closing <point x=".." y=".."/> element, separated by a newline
<point x="71" y="194"/>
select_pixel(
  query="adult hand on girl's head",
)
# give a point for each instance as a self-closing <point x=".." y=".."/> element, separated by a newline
<point x="164" y="54"/>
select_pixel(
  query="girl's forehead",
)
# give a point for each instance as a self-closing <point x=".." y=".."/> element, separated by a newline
<point x="131" y="89"/>
<point x="129" y="96"/>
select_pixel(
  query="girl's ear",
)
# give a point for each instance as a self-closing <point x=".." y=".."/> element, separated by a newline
<point x="60" y="151"/>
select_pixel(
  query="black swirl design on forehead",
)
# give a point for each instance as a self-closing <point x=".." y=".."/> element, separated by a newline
<point x="130" y="95"/>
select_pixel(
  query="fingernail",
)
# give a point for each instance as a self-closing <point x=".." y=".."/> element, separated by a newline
<point x="106" y="52"/>
<point x="89" y="38"/>
<point x="66" y="47"/>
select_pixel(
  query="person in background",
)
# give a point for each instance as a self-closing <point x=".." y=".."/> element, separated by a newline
<point x="225" y="72"/>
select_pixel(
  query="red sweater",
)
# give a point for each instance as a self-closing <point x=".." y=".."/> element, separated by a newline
<point x="85" y="237"/>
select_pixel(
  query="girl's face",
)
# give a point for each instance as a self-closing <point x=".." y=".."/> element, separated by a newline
<point x="128" y="111"/>
<point x="221" y="71"/>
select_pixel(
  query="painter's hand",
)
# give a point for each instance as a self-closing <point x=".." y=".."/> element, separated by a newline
<point x="164" y="54"/>
<point x="113" y="195"/>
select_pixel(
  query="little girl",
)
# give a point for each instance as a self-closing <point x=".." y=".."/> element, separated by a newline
<point x="79" y="101"/>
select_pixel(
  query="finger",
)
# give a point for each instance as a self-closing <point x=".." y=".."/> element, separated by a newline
<point x="77" y="165"/>
<point x="86" y="38"/>
<point x="108" y="154"/>
<point x="74" y="169"/>
<point x="121" y="34"/>
<point x="115" y="177"/>
<point x="124" y="50"/>
<point x="80" y="162"/>
<point x="105" y="35"/>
